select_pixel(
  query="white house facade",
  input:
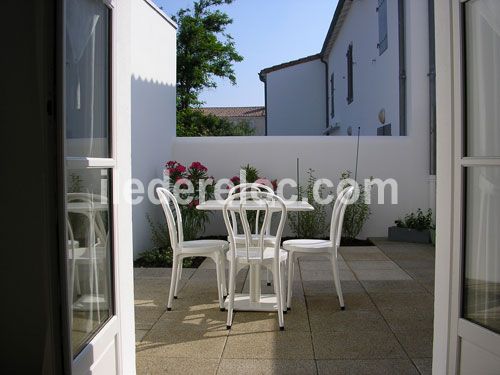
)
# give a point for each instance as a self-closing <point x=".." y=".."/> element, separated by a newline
<point x="371" y="73"/>
<point x="295" y="97"/>
<point x="364" y="68"/>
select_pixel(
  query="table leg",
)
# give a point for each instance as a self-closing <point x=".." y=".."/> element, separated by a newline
<point x="255" y="283"/>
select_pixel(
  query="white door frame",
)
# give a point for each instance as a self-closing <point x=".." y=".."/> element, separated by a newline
<point x="449" y="327"/>
<point x="118" y="334"/>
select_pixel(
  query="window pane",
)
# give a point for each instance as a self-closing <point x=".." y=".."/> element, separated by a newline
<point x="483" y="77"/>
<point x="88" y="250"/>
<point x="87" y="79"/>
<point x="482" y="247"/>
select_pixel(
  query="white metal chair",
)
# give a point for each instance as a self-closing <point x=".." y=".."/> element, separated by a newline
<point x="259" y="253"/>
<point x="213" y="249"/>
<point x="88" y="205"/>
<point x="240" y="237"/>
<point x="328" y="248"/>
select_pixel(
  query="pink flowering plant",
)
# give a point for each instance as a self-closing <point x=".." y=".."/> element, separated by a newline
<point x="193" y="220"/>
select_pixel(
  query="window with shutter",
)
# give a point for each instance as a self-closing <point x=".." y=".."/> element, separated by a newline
<point x="382" y="26"/>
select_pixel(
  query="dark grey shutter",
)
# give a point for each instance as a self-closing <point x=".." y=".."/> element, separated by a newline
<point x="332" y="96"/>
<point x="382" y="26"/>
<point x="350" y="83"/>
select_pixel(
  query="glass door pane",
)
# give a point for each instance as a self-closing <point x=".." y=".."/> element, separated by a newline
<point x="87" y="79"/>
<point x="482" y="247"/>
<point x="482" y="26"/>
<point x="88" y="198"/>
<point x="89" y="252"/>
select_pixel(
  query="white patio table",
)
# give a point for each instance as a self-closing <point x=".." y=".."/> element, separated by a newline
<point x="255" y="300"/>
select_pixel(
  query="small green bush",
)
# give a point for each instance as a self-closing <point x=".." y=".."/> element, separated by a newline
<point x="310" y="224"/>
<point x="418" y="220"/>
<point x="356" y="214"/>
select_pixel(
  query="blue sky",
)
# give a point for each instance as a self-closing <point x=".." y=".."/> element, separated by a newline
<point x="266" y="33"/>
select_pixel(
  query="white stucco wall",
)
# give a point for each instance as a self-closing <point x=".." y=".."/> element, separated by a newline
<point x="375" y="78"/>
<point x="296" y="100"/>
<point x="400" y="158"/>
<point x="153" y="66"/>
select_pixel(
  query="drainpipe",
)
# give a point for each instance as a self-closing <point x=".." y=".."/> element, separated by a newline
<point x="432" y="89"/>
<point x="263" y="78"/>
<point x="402" y="68"/>
<point x="432" y="107"/>
<point x="326" y="90"/>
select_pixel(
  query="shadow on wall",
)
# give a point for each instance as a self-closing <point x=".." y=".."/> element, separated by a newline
<point x="153" y="131"/>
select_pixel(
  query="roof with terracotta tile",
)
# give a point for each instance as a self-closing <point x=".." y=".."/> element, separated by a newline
<point x="235" y="111"/>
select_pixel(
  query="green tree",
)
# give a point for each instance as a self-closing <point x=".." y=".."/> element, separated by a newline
<point x="194" y="123"/>
<point x="204" y="50"/>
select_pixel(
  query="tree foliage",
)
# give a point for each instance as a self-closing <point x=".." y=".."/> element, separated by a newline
<point x="194" y="123"/>
<point x="204" y="50"/>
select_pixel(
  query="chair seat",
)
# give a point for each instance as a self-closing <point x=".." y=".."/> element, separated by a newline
<point x="203" y="246"/>
<point x="308" y="246"/>
<point x="254" y="254"/>
<point x="240" y="238"/>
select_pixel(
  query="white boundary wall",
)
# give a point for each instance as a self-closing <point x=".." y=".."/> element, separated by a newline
<point x="153" y="81"/>
<point x="401" y="158"/>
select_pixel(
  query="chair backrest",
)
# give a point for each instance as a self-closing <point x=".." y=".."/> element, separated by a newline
<point x="90" y="199"/>
<point x="248" y="187"/>
<point x="243" y="203"/>
<point x="174" y="218"/>
<point x="338" y="215"/>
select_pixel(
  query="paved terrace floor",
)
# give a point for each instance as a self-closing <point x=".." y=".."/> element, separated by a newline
<point x="385" y="329"/>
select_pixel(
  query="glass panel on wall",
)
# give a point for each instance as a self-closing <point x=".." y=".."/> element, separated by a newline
<point x="482" y="22"/>
<point x="88" y="252"/>
<point x="87" y="79"/>
<point x="482" y="247"/>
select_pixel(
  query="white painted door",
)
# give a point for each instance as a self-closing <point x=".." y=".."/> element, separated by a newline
<point x="89" y="172"/>
<point x="475" y="326"/>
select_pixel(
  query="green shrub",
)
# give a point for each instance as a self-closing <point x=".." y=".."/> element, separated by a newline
<point x="356" y="214"/>
<point x="418" y="220"/>
<point x="309" y="224"/>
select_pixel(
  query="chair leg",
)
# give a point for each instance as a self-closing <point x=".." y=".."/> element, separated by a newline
<point x="173" y="279"/>
<point x="220" y="287"/>
<point x="277" y="287"/>
<point x="336" y="279"/>
<point x="283" y="283"/>
<point x="232" y="287"/>
<point x="224" y="281"/>
<point x="268" y="283"/>
<point x="291" y="269"/>
<point x="178" y="278"/>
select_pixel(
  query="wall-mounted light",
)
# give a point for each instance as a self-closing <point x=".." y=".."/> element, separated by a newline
<point x="381" y="116"/>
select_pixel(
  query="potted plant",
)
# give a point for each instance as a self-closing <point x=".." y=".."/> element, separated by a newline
<point x="415" y="227"/>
